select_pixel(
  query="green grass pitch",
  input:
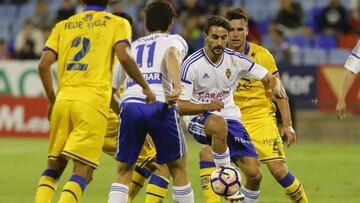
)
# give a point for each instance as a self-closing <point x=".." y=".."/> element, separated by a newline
<point x="329" y="172"/>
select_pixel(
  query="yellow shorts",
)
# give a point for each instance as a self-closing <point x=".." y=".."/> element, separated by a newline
<point x="77" y="131"/>
<point x="266" y="138"/>
<point x="147" y="153"/>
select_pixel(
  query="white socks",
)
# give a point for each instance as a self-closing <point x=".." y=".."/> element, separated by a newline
<point x="118" y="193"/>
<point x="183" y="194"/>
<point x="250" y="196"/>
<point x="221" y="159"/>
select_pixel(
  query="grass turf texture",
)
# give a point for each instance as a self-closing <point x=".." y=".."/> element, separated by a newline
<point x="329" y="172"/>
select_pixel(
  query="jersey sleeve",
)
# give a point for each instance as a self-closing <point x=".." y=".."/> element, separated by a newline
<point x="353" y="61"/>
<point x="269" y="62"/>
<point x="187" y="81"/>
<point x="119" y="76"/>
<point x="52" y="42"/>
<point x="178" y="42"/>
<point x="123" y="32"/>
<point x="257" y="71"/>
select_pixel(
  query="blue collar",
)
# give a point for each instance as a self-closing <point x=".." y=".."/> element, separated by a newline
<point x="247" y="48"/>
<point x="96" y="8"/>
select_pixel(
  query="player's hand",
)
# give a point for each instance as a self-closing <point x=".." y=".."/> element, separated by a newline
<point x="237" y="197"/>
<point x="150" y="96"/>
<point x="174" y="96"/>
<point x="215" y="105"/>
<point x="50" y="107"/>
<point x="340" y="109"/>
<point x="289" y="132"/>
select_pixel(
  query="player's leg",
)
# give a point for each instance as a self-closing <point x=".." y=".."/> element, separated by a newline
<point x="48" y="181"/>
<point x="245" y="156"/>
<point x="292" y="186"/>
<point x="171" y="148"/>
<point x="83" y="146"/>
<point x="157" y="186"/>
<point x="145" y="167"/>
<point x="217" y="129"/>
<point x="59" y="131"/>
<point x="75" y="186"/>
<point x="205" y="128"/>
<point x="266" y="138"/>
<point x="207" y="166"/>
<point x="250" y="167"/>
<point x="212" y="129"/>
<point x="130" y="141"/>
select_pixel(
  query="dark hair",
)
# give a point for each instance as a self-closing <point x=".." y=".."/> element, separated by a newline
<point x="236" y="14"/>
<point x="158" y="16"/>
<point x="125" y="16"/>
<point x="216" y="21"/>
<point x="102" y="3"/>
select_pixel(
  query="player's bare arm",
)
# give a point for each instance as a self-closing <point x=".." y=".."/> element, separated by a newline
<point x="46" y="60"/>
<point x="189" y="108"/>
<point x="287" y="128"/>
<point x="123" y="53"/>
<point x="275" y="85"/>
<point x="173" y="64"/>
<point x="341" y="104"/>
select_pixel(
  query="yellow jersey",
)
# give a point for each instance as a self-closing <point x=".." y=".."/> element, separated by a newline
<point x="84" y="45"/>
<point x="250" y="95"/>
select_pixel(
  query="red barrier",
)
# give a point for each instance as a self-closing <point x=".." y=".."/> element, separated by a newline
<point x="330" y="82"/>
<point x="23" y="117"/>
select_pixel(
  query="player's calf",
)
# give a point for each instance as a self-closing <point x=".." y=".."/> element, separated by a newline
<point x="182" y="190"/>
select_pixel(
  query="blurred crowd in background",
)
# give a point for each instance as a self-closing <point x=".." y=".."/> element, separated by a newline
<point x="297" y="32"/>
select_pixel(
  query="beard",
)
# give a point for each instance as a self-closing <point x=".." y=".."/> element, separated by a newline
<point x="217" y="50"/>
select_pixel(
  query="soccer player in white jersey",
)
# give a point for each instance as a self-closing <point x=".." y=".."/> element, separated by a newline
<point x="209" y="77"/>
<point x="159" y="56"/>
<point x="352" y="67"/>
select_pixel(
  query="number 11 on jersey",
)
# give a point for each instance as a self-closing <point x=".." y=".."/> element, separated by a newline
<point x="150" y="54"/>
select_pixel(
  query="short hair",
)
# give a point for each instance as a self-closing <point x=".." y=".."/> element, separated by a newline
<point x="158" y="16"/>
<point x="102" y="3"/>
<point x="216" y="21"/>
<point x="236" y="14"/>
<point x="125" y="16"/>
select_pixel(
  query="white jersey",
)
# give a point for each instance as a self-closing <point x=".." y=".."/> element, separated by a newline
<point x="149" y="53"/>
<point x="204" y="81"/>
<point x="353" y="62"/>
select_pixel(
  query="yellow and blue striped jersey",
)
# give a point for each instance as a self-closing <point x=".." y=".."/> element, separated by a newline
<point x="250" y="95"/>
<point x="84" y="45"/>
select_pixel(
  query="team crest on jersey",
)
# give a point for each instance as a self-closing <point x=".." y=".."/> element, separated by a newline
<point x="228" y="73"/>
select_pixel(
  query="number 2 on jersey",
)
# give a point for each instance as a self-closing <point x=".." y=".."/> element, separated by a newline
<point x="80" y="54"/>
<point x="150" y="55"/>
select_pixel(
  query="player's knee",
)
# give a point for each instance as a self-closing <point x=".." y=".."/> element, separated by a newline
<point x="124" y="169"/>
<point x="216" y="126"/>
<point x="205" y="153"/>
<point x="278" y="170"/>
<point x="178" y="167"/>
<point x="254" y="176"/>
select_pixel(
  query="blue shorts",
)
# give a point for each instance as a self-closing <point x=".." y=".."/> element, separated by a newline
<point x="160" y="121"/>
<point x="238" y="141"/>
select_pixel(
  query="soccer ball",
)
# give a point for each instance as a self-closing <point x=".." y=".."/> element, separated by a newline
<point x="225" y="180"/>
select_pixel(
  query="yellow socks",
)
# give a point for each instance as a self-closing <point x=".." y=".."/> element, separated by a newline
<point x="206" y="168"/>
<point x="137" y="181"/>
<point x="73" y="190"/>
<point x="156" y="189"/>
<point x="293" y="189"/>
<point x="47" y="186"/>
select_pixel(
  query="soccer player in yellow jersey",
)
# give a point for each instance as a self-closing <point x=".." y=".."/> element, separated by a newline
<point x="85" y="46"/>
<point x="258" y="113"/>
